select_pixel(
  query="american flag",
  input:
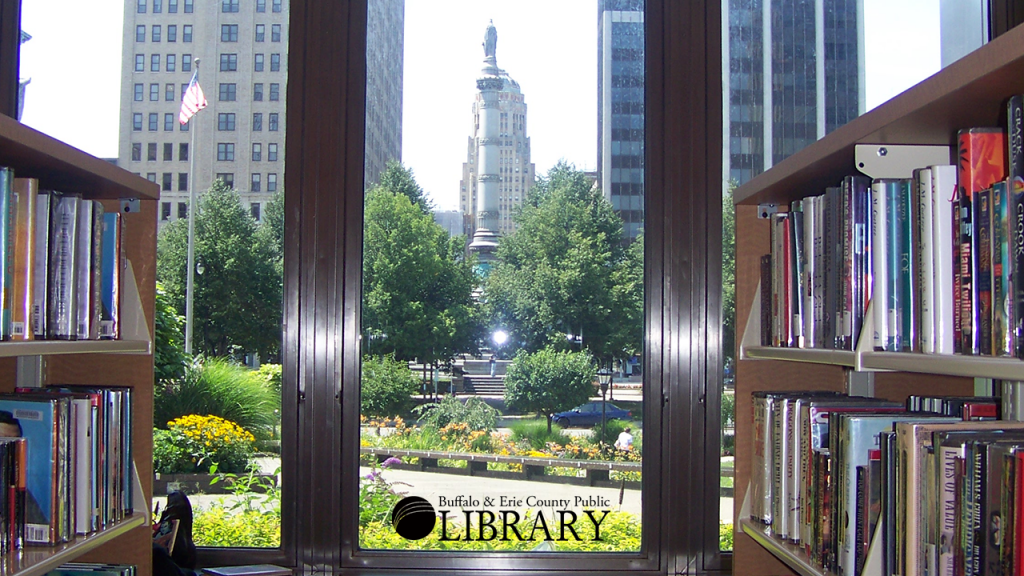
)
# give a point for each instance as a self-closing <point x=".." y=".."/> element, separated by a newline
<point x="193" y="100"/>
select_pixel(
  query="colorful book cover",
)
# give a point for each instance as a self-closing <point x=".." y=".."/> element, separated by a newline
<point x="982" y="269"/>
<point x="64" y="268"/>
<point x="36" y="420"/>
<point x="41" y="265"/>
<point x="112" y="276"/>
<point x="1002" y="298"/>
<point x="25" y="192"/>
<point x="96" y="271"/>
<point x="6" y="250"/>
<point x="879" y="252"/>
<point x="894" y="231"/>
<point x="1015" y="191"/>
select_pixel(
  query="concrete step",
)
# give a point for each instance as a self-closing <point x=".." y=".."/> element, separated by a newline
<point x="485" y="385"/>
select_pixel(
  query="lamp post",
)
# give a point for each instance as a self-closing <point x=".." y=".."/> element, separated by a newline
<point x="604" y="378"/>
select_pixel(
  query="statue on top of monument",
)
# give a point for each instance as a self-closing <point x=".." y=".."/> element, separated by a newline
<point x="490" y="40"/>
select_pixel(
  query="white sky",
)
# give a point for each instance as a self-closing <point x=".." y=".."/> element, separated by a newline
<point x="75" y="94"/>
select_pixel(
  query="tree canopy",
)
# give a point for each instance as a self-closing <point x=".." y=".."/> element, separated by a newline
<point x="399" y="179"/>
<point x="549" y="381"/>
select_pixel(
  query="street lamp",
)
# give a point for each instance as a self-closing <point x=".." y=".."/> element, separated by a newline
<point x="604" y="378"/>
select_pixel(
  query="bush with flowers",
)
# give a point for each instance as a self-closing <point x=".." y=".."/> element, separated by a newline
<point x="193" y="443"/>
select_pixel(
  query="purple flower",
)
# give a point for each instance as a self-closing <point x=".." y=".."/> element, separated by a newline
<point x="372" y="475"/>
<point x="390" y="462"/>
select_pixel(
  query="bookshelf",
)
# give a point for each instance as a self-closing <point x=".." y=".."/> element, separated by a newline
<point x="125" y="362"/>
<point x="970" y="92"/>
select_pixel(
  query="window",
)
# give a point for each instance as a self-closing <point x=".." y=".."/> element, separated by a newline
<point x="188" y="6"/>
<point x="184" y="87"/>
<point x="261" y="5"/>
<point x="182" y="181"/>
<point x="275" y="91"/>
<point x="169" y="92"/>
<point x="169" y="122"/>
<point x="254" y="208"/>
<point x="157" y="6"/>
<point x="226" y="92"/>
<point x="151" y="152"/>
<point x="257" y="151"/>
<point x="254" y="185"/>
<point x="154" y="63"/>
<point x="226" y="122"/>
<point x="172" y="33"/>
<point x="172" y="6"/>
<point x="272" y="182"/>
<point x="275" y="62"/>
<point x="168" y="151"/>
<point x="165" y="211"/>
<point x="140" y="33"/>
<point x="227" y="177"/>
<point x="229" y="32"/>
<point x="141" y="7"/>
<point x="154" y="92"/>
<point x="136" y="152"/>
<point x="186" y="63"/>
<point x="182" y="152"/>
<point x="257" y="92"/>
<point x="182" y="210"/>
<point x="137" y="122"/>
<point x="186" y="32"/>
<point x="170" y="62"/>
<point x="275" y="32"/>
<point x="225" y="152"/>
<point x="260" y="31"/>
<point x="156" y="32"/>
<point x="257" y="121"/>
<point x="257" y="65"/>
<point x="183" y="127"/>
<point x="276" y="5"/>
<point x="140" y="62"/>
<point x="272" y="123"/>
<point x="138" y="93"/>
<point x="229" y="6"/>
<point x="154" y="119"/>
<point x="151" y="176"/>
<point x="228" y="62"/>
<point x="271" y="152"/>
<point x="165" y="181"/>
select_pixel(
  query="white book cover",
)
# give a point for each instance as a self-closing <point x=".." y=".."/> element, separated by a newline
<point x="83" y="277"/>
<point x="943" y="190"/>
<point x="83" y="465"/>
<point x="810" y="221"/>
<point x="926" y="260"/>
<point x="880" y="287"/>
<point x="40" y="265"/>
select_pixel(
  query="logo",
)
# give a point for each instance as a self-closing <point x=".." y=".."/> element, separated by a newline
<point x="413" y="517"/>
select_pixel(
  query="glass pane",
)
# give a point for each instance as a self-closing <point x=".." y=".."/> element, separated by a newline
<point x="502" y="277"/>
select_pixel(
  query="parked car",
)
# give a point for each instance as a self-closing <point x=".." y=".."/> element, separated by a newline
<point x="589" y="414"/>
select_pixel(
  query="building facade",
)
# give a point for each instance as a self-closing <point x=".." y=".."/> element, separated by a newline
<point x="620" y="108"/>
<point x="497" y="173"/>
<point x="385" y="54"/>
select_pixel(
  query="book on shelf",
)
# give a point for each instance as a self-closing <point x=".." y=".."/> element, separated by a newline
<point x="25" y="192"/>
<point x="94" y="569"/>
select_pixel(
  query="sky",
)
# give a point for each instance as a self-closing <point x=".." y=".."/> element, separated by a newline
<point x="553" y="57"/>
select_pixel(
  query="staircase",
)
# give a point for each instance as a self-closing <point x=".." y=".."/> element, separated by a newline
<point x="484" y="384"/>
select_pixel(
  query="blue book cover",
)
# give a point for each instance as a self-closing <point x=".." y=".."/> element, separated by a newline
<point x="36" y="421"/>
<point x="1002" y="295"/>
<point x="893" y="260"/>
<point x="983" y="268"/>
<point x="111" y="266"/>
<point x="907" y="265"/>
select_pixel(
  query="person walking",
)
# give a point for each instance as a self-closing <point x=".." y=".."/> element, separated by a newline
<point x="494" y="365"/>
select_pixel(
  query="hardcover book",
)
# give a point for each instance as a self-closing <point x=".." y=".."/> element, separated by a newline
<point x="25" y="192"/>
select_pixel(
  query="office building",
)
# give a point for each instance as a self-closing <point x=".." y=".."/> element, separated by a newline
<point x="385" y="50"/>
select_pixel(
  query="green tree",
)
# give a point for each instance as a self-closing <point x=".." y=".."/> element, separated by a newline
<point x="237" y="298"/>
<point x="272" y="228"/>
<point x="567" y="271"/>
<point x="400" y="180"/>
<point x="417" y="285"/>
<point x="729" y="273"/>
<point x="549" y="381"/>
<point x="386" y="388"/>
<point x="169" y="341"/>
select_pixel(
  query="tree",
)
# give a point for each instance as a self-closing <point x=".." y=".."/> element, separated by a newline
<point x="549" y="381"/>
<point x="168" y="342"/>
<point x="400" y="180"/>
<point x="386" y="387"/>
<point x="237" y="298"/>
<point x="567" y="271"/>
<point x="417" y="284"/>
<point x="729" y="273"/>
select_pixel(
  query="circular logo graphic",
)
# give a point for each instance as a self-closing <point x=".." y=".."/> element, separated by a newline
<point x="413" y="517"/>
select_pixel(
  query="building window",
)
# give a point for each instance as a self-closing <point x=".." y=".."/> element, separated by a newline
<point x="229" y="6"/>
<point x="136" y="152"/>
<point x="186" y="32"/>
<point x="254" y="208"/>
<point x="225" y="152"/>
<point x="275" y="62"/>
<point x="154" y="92"/>
<point x="257" y="92"/>
<point x="138" y="93"/>
<point x="165" y="184"/>
<point x="140" y="62"/>
<point x="169" y="92"/>
<point x="271" y="152"/>
<point x="257" y="151"/>
<point x="275" y="92"/>
<point x="182" y="181"/>
<point x="168" y="122"/>
<point x="182" y="152"/>
<point x="140" y="33"/>
<point x="154" y="63"/>
<point x="171" y="62"/>
<point x="137" y="122"/>
<point x="172" y="33"/>
<point x="226" y="92"/>
<point x="156" y="32"/>
<point x="227" y="178"/>
<point x="229" y="32"/>
<point x="182" y="210"/>
<point x="154" y="119"/>
<point x="188" y="6"/>
<point x="157" y="6"/>
<point x="226" y="121"/>
<point x="272" y="182"/>
<point x="255" y="184"/>
<point x="257" y="65"/>
<point x="141" y="7"/>
<point x="165" y="211"/>
<point x="151" y="176"/>
<point x="168" y="151"/>
<point x="260" y="31"/>
<point x="183" y="127"/>
<point x="272" y="127"/>
<point x="228" y="62"/>
<point x="275" y="32"/>
<point x="276" y="5"/>
<point x="172" y="6"/>
<point x="186" y="63"/>
<point x="261" y="5"/>
<point x="151" y="152"/>
<point x="257" y="121"/>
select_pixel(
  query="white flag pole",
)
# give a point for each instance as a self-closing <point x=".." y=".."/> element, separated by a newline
<point x="189" y="293"/>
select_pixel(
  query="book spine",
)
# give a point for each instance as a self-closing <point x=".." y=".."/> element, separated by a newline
<point x="943" y="193"/>
<point x="819" y="272"/>
<point x="908" y="320"/>
<point x="41" y="266"/>
<point x="991" y="519"/>
<point x="859" y="525"/>
<point x="1015" y="192"/>
<point x="767" y="290"/>
<point x="792" y="502"/>
<point x="83" y="277"/>
<point x="844" y="326"/>
<point x="968" y="332"/>
<point x="982" y="269"/>
<point x="1007" y="518"/>
<point x="809" y="259"/>
<point x="879" y="250"/>
<point x="6" y="251"/>
<point x="796" y="254"/>
<point x="778" y="469"/>
<point x="64" y="268"/>
<point x="25" y="193"/>
<point x="777" y="262"/>
<point x="111" y="283"/>
<point x="893" y="232"/>
<point x="786" y="274"/>
<point x="946" y="466"/>
<point x="96" y="280"/>
<point x="926" y="258"/>
<point x="1002" y="303"/>
<point x="861" y="256"/>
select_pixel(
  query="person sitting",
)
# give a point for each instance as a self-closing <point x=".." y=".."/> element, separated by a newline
<point x="625" y="441"/>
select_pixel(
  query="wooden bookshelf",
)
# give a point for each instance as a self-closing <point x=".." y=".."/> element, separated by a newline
<point x="38" y="560"/>
<point x="791" y="555"/>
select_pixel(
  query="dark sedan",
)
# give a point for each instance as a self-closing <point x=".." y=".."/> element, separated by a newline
<point x="589" y="414"/>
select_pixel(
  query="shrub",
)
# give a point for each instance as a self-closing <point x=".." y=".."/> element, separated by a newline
<point x="387" y="386"/>
<point x="474" y="412"/>
<point x="725" y="534"/>
<point x="220" y="388"/>
<point x="612" y="429"/>
<point x="548" y="381"/>
<point x="249" y="529"/>
<point x="168" y="343"/>
<point x="193" y="443"/>
<point x="535" y="433"/>
<point x="376" y="499"/>
<point x="271" y="375"/>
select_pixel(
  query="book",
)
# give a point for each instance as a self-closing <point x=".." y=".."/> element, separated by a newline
<point x="943" y="194"/>
<point x="982" y="269"/>
<point x="36" y="419"/>
<point x="1015" y="192"/>
<point x="907" y="263"/>
<point x="63" y="303"/>
<point x="112" y="274"/>
<point x="924" y="297"/>
<point x="41" y="265"/>
<point x="1002" y="298"/>
<point x="809" y="259"/>
<point x="252" y="570"/>
<point x="26" y="191"/>
<point x="6" y="251"/>
<point x="879" y="256"/>
<point x="165" y="533"/>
